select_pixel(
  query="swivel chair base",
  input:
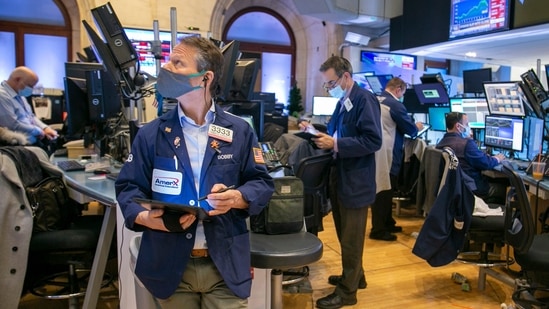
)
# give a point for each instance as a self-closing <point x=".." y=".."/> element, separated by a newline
<point x="66" y="285"/>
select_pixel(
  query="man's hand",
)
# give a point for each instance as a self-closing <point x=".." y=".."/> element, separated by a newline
<point x="224" y="201"/>
<point x="500" y="157"/>
<point x="153" y="220"/>
<point x="323" y="141"/>
<point x="419" y="125"/>
<point x="50" y="133"/>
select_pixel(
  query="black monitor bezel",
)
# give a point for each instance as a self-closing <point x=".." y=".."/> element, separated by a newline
<point x="498" y="146"/>
<point x="471" y="79"/>
<point x="231" y="53"/>
<point x="494" y="111"/>
<point x="441" y="89"/>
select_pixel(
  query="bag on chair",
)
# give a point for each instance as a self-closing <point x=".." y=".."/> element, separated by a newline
<point x="49" y="200"/>
<point x="284" y="213"/>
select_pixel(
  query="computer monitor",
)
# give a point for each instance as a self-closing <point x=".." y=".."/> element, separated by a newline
<point x="76" y="101"/>
<point x="231" y="53"/>
<point x="412" y="104"/>
<point x="534" y="91"/>
<point x="437" y="117"/>
<point x="377" y="83"/>
<point x="534" y="128"/>
<point x="253" y="109"/>
<point x="434" y="93"/>
<point x="505" y="98"/>
<point x="244" y="78"/>
<point x="504" y="132"/>
<point x="476" y="110"/>
<point x="324" y="106"/>
<point x="431" y="78"/>
<point x="250" y="120"/>
<point x="104" y="98"/>
<point x="473" y="80"/>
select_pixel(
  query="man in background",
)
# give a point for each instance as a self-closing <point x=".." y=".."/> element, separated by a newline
<point x="396" y="122"/>
<point x="354" y="135"/>
<point x="471" y="159"/>
<point x="15" y="112"/>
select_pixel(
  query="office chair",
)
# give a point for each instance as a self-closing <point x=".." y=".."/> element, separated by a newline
<point x="314" y="171"/>
<point x="531" y="251"/>
<point x="58" y="265"/>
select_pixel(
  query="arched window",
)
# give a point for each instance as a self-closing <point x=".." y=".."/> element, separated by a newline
<point x="36" y="34"/>
<point x="266" y="35"/>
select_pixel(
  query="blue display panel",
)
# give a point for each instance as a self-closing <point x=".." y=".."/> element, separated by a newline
<point x="476" y="17"/>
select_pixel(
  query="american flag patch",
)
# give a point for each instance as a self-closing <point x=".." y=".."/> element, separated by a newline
<point x="258" y="156"/>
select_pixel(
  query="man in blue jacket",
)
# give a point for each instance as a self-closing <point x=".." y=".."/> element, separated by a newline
<point x="354" y="134"/>
<point x="471" y="159"/>
<point x="396" y="123"/>
<point x="196" y="150"/>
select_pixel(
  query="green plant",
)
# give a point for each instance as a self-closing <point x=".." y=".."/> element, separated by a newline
<point x="295" y="108"/>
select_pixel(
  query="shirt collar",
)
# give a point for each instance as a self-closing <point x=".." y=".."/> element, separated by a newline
<point x="10" y="90"/>
<point x="210" y="116"/>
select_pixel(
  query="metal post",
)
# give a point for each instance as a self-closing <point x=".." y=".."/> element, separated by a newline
<point x="173" y="27"/>
<point x="276" y="289"/>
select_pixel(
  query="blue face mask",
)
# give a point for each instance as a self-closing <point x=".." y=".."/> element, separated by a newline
<point x="337" y="92"/>
<point x="466" y="131"/>
<point x="25" y="92"/>
<point x="173" y="85"/>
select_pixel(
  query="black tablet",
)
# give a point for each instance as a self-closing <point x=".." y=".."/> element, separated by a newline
<point x="199" y="212"/>
<point x="307" y="136"/>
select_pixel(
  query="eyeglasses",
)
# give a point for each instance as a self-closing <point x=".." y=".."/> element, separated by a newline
<point x="331" y="84"/>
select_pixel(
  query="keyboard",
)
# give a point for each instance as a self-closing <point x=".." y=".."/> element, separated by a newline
<point x="70" y="165"/>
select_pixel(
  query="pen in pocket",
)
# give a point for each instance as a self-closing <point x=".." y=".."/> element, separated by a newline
<point x="175" y="161"/>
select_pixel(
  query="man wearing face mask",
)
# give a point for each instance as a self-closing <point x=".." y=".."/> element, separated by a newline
<point x="16" y="113"/>
<point x="471" y="159"/>
<point x="198" y="155"/>
<point x="396" y="123"/>
<point x="354" y="135"/>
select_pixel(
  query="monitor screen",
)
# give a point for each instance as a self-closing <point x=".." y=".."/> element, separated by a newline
<point x="253" y="109"/>
<point x="384" y="62"/>
<point x="143" y="43"/>
<point x="412" y="104"/>
<point x="473" y="80"/>
<point x="505" y="98"/>
<point x="534" y="141"/>
<point x="530" y="12"/>
<point x="244" y="78"/>
<point x="504" y="132"/>
<point x="547" y="75"/>
<point x="377" y="83"/>
<point x="76" y="101"/>
<point x="431" y="93"/>
<point x="249" y="119"/>
<point x="474" y="17"/>
<point x="437" y="118"/>
<point x="324" y="106"/>
<point x="534" y="91"/>
<point x="476" y="110"/>
<point x="231" y="53"/>
<point x="360" y="79"/>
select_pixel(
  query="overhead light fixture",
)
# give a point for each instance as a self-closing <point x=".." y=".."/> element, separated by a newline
<point x="471" y="54"/>
<point x="356" y="38"/>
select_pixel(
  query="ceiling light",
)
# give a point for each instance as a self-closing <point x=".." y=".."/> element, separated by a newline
<point x="471" y="54"/>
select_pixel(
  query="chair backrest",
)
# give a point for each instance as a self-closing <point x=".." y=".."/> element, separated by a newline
<point x="313" y="171"/>
<point x="435" y="165"/>
<point x="519" y="225"/>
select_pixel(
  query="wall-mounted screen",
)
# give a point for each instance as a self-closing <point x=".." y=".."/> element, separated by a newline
<point x="324" y="106"/>
<point x="476" y="110"/>
<point x="504" y="132"/>
<point x="383" y="62"/>
<point x="476" y="17"/>
<point x="529" y="13"/>
<point x="505" y="98"/>
<point x="431" y="93"/>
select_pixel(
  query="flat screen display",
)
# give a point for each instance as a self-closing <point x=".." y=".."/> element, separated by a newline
<point x="383" y="62"/>
<point x="437" y="118"/>
<point x="505" y="98"/>
<point x="477" y="17"/>
<point x="324" y="106"/>
<point x="473" y="80"/>
<point x="377" y="83"/>
<point x="142" y="41"/>
<point x="504" y="132"/>
<point x="431" y="93"/>
<point x="476" y="110"/>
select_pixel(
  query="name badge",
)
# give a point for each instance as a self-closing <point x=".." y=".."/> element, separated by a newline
<point x="348" y="105"/>
<point x="166" y="182"/>
<point x="221" y="133"/>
